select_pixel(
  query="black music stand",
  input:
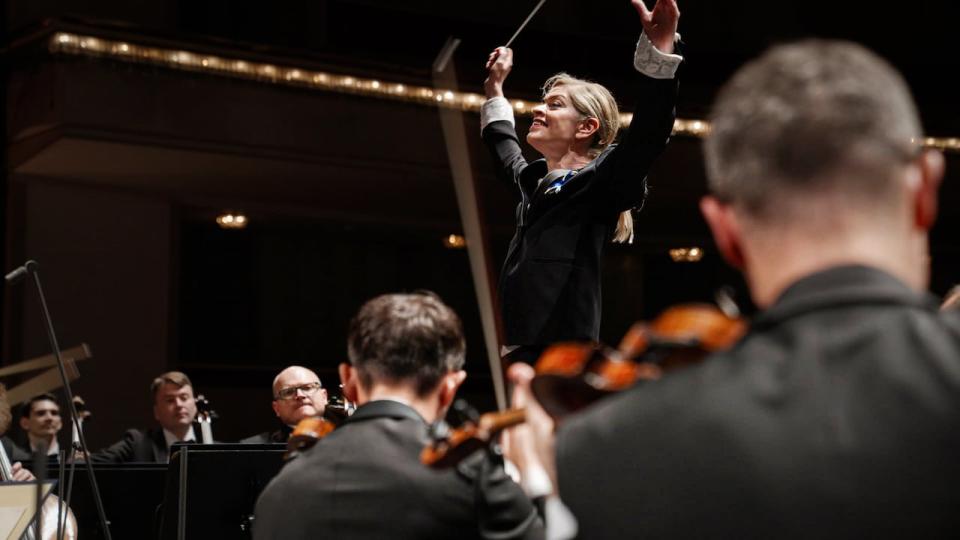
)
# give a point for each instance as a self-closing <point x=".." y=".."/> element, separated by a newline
<point x="211" y="489"/>
<point x="132" y="494"/>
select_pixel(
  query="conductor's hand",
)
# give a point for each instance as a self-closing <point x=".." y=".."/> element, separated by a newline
<point x="19" y="474"/>
<point x="660" y="23"/>
<point x="498" y="67"/>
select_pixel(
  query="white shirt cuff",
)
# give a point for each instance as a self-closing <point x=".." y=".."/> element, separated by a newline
<point x="536" y="482"/>
<point x="653" y="63"/>
<point x="560" y="521"/>
<point x="496" y="109"/>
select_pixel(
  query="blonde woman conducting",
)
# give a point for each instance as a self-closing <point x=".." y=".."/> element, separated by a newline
<point x="579" y="195"/>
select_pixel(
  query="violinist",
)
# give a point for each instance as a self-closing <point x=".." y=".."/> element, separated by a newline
<point x="297" y="394"/>
<point x="836" y="416"/>
<point x="174" y="408"/>
<point x="365" y="479"/>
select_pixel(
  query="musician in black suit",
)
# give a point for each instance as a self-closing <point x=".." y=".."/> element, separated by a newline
<point x="837" y="415"/>
<point x="580" y="194"/>
<point x="174" y="408"/>
<point x="365" y="480"/>
<point x="297" y="394"/>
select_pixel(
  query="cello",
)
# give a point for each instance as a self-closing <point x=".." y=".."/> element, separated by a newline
<point x="51" y="513"/>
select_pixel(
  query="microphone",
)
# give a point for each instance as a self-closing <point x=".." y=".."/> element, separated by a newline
<point x="21" y="272"/>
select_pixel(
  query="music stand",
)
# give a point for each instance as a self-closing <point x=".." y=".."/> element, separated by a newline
<point x="131" y="493"/>
<point x="18" y="507"/>
<point x="212" y="488"/>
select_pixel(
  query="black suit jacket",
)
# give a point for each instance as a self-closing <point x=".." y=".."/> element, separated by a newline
<point x="837" y="416"/>
<point x="14" y="452"/>
<point x="267" y="437"/>
<point x="136" y="446"/>
<point x="365" y="480"/>
<point x="550" y="281"/>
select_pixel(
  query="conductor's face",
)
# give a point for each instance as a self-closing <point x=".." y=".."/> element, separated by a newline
<point x="555" y="124"/>
<point x="174" y="406"/>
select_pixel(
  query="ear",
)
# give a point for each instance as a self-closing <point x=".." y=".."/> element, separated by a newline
<point x="156" y="415"/>
<point x="587" y="128"/>
<point x="350" y="381"/>
<point x="276" y="408"/>
<point x="927" y="174"/>
<point x="725" y="228"/>
<point x="448" y="387"/>
<point x="24" y="423"/>
<point x="323" y="396"/>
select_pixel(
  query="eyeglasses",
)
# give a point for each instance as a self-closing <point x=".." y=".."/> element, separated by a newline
<point x="290" y="392"/>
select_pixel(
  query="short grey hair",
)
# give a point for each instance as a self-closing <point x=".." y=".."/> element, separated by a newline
<point x="810" y="117"/>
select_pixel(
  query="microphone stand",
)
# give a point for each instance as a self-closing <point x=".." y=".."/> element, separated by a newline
<point x="30" y="267"/>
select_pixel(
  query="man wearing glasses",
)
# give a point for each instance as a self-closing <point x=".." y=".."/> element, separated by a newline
<point x="297" y="394"/>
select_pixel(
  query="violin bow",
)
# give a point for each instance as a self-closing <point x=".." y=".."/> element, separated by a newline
<point x="525" y="21"/>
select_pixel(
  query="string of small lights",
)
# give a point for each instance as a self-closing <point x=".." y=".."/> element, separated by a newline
<point x="80" y="45"/>
<point x="74" y="44"/>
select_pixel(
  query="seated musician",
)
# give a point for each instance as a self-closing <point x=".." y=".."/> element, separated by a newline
<point x="174" y="408"/>
<point x="836" y="416"/>
<point x="14" y="454"/>
<point x="40" y="419"/>
<point x="365" y="479"/>
<point x="297" y="394"/>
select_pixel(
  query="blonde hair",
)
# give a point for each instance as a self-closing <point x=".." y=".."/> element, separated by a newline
<point x="593" y="100"/>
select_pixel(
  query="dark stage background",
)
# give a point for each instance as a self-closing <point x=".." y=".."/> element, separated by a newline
<point x="114" y="172"/>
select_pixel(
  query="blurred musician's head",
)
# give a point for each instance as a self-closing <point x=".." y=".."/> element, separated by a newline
<point x="40" y="418"/>
<point x="174" y="405"/>
<point x="406" y="347"/>
<point x="813" y="161"/>
<point x="297" y="394"/>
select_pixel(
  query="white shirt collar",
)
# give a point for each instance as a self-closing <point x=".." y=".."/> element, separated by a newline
<point x="171" y="438"/>
<point x="52" y="450"/>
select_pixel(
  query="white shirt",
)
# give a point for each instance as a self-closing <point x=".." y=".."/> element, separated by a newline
<point x="171" y="438"/>
<point x="52" y="450"/>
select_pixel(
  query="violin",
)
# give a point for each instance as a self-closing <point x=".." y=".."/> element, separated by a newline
<point x="313" y="428"/>
<point x="571" y="376"/>
<point x="451" y="447"/>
